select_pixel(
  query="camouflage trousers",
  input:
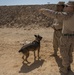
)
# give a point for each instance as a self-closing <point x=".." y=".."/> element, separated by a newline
<point x="56" y="40"/>
<point x="66" y="49"/>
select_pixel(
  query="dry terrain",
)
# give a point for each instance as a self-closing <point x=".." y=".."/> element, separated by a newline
<point x="12" y="39"/>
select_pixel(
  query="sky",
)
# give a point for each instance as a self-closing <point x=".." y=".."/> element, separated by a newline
<point x="28" y="2"/>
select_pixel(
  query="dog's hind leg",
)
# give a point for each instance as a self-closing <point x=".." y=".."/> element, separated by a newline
<point x="34" y="56"/>
<point x="23" y="58"/>
<point x="27" y="55"/>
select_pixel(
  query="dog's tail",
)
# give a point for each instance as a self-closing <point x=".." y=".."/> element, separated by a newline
<point x="20" y="51"/>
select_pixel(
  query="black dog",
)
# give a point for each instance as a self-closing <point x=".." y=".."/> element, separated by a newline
<point x="35" y="45"/>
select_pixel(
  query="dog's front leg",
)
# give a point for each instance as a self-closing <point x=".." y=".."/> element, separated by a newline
<point x="34" y="56"/>
<point x="38" y="53"/>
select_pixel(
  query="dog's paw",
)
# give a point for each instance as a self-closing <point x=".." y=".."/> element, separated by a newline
<point x="23" y="62"/>
<point x="28" y="62"/>
<point x="39" y="58"/>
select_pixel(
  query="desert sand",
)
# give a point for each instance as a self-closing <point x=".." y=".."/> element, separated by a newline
<point x="12" y="39"/>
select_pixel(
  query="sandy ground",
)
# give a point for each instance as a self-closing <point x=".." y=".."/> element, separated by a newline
<point x="11" y="40"/>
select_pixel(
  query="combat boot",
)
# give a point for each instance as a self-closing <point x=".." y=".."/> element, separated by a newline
<point x="64" y="70"/>
<point x="69" y="68"/>
<point x="55" y="53"/>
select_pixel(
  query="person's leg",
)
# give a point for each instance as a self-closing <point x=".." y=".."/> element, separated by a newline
<point x="64" y="51"/>
<point x="55" y="43"/>
<point x="70" y="52"/>
<point x="70" y="56"/>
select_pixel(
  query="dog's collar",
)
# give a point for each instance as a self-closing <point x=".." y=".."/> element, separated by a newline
<point x="36" y="41"/>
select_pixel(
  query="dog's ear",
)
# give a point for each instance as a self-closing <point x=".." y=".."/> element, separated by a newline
<point x="35" y="35"/>
<point x="39" y="35"/>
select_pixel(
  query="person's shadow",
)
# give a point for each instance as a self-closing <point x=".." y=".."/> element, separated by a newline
<point x="59" y="62"/>
<point x="27" y="68"/>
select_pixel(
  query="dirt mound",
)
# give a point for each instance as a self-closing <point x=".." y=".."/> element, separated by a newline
<point x="23" y="15"/>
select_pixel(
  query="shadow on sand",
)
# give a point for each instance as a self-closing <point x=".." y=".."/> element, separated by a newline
<point x="71" y="73"/>
<point x="27" y="68"/>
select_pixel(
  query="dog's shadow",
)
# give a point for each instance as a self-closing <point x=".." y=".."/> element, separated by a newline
<point x="27" y="68"/>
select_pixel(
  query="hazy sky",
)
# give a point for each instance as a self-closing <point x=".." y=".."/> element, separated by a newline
<point x="28" y="2"/>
